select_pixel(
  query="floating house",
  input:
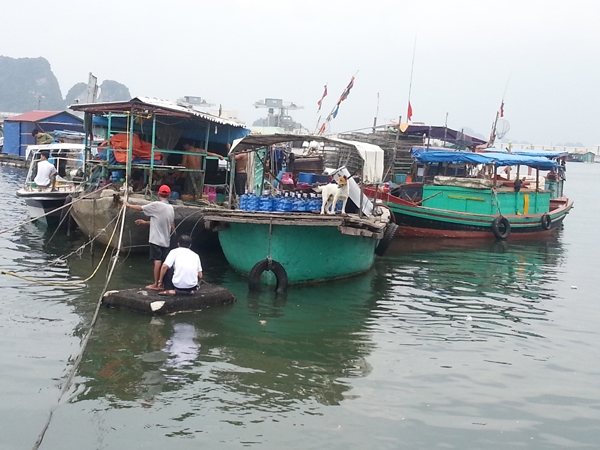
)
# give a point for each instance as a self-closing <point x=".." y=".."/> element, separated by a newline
<point x="582" y="156"/>
<point x="17" y="129"/>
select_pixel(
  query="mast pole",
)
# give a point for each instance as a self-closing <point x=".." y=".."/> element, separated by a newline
<point x="412" y="66"/>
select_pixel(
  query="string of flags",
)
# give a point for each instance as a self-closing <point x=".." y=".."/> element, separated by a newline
<point x="320" y="102"/>
<point x="334" y="112"/>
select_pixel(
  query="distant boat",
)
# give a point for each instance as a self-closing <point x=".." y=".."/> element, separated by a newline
<point x="449" y="201"/>
<point x="43" y="203"/>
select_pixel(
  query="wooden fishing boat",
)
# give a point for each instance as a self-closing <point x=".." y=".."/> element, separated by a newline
<point x="97" y="214"/>
<point x="144" y="146"/>
<point x="451" y="202"/>
<point x="289" y="247"/>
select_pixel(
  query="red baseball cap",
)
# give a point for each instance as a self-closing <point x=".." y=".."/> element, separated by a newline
<point x="164" y="190"/>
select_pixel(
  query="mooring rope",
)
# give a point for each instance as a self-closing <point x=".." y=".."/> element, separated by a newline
<point x="86" y="338"/>
<point x="52" y="211"/>
<point x="72" y="283"/>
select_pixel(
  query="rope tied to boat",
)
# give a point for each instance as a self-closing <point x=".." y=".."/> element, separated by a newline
<point x="86" y="338"/>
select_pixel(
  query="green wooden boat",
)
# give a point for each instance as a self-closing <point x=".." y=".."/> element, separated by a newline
<point x="309" y="247"/>
<point x="470" y="206"/>
<point x="284" y="247"/>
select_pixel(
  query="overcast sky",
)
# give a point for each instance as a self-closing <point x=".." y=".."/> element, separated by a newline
<point x="542" y="56"/>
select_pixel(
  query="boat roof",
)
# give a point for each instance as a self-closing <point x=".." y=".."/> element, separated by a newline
<point x="34" y="149"/>
<point x="442" y="133"/>
<point x="155" y="106"/>
<point x="526" y="152"/>
<point x="372" y="155"/>
<point x="497" y="159"/>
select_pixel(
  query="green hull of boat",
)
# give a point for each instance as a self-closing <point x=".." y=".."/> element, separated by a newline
<point x="307" y="253"/>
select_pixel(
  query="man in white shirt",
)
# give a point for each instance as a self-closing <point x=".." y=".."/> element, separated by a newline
<point x="182" y="269"/>
<point x="46" y="172"/>
<point x="162" y="223"/>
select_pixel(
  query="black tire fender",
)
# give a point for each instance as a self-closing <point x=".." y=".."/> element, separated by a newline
<point x="546" y="222"/>
<point x="268" y="265"/>
<point x="386" y="240"/>
<point x="501" y="227"/>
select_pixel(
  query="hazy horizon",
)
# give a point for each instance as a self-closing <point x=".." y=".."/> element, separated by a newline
<point x="470" y="55"/>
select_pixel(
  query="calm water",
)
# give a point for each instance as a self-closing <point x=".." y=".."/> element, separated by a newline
<point x="445" y="346"/>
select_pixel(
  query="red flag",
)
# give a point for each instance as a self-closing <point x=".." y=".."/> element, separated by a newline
<point x="502" y="110"/>
<point x="409" y="113"/>
<point x="322" y="129"/>
<point x="321" y="101"/>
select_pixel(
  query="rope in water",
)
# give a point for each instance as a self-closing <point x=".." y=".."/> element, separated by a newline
<point x="73" y="283"/>
<point x="86" y="338"/>
<point x="52" y="211"/>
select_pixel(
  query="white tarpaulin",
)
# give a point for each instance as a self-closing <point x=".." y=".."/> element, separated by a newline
<point x="371" y="154"/>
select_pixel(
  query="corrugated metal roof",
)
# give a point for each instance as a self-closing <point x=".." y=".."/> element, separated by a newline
<point x="159" y="107"/>
<point x="33" y="116"/>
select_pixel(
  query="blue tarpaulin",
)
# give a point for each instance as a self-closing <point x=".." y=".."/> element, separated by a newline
<point x="497" y="159"/>
<point x="525" y="152"/>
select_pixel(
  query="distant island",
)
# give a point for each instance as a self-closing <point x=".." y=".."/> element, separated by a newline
<point x="28" y="84"/>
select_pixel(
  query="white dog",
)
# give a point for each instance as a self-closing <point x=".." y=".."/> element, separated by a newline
<point x="332" y="193"/>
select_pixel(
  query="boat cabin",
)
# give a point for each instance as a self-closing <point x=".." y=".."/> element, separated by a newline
<point x="146" y="142"/>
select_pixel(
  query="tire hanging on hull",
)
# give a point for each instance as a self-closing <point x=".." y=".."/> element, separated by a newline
<point x="386" y="240"/>
<point x="501" y="227"/>
<point x="268" y="265"/>
<point x="546" y="222"/>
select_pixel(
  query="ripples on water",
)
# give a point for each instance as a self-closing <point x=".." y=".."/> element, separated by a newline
<point x="458" y="291"/>
<point x="445" y="345"/>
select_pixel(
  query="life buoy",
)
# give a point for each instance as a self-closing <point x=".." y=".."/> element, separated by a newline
<point x="268" y="265"/>
<point x="501" y="227"/>
<point x="386" y="240"/>
<point x="546" y="222"/>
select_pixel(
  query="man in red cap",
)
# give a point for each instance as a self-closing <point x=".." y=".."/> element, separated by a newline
<point x="162" y="223"/>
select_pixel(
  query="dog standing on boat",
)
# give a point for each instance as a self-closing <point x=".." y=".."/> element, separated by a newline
<point x="333" y="192"/>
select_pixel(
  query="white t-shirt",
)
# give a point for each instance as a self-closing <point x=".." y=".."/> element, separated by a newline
<point x="161" y="215"/>
<point x="186" y="265"/>
<point x="45" y="169"/>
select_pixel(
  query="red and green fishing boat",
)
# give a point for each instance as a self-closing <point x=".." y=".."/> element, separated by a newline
<point x="462" y="195"/>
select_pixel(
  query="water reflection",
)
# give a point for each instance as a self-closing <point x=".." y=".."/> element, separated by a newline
<point x="265" y="353"/>
<point x="469" y="290"/>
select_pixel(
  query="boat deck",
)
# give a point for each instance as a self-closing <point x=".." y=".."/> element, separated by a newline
<point x="346" y="223"/>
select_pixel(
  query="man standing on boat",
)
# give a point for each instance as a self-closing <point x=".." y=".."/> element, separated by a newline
<point x="42" y="138"/>
<point x="194" y="162"/>
<point x="241" y="176"/>
<point x="162" y="223"/>
<point x="46" y="172"/>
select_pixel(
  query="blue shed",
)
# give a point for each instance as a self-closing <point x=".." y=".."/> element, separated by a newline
<point x="17" y="129"/>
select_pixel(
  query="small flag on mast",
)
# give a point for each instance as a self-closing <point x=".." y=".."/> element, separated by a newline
<point x="320" y="102"/>
<point x="502" y="110"/>
<point x="346" y="91"/>
<point x="410" y="112"/>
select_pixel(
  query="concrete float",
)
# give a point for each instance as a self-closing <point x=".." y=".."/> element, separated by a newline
<point x="149" y="302"/>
